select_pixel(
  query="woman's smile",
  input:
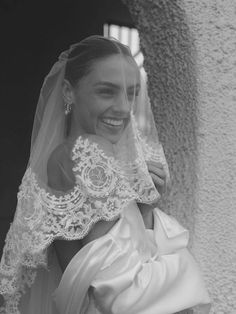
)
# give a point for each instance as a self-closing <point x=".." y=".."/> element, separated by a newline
<point x="113" y="122"/>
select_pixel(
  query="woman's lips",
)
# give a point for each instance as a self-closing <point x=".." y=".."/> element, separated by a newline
<point x="112" y="128"/>
<point x="113" y="122"/>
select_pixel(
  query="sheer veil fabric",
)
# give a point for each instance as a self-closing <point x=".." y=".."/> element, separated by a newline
<point x="106" y="175"/>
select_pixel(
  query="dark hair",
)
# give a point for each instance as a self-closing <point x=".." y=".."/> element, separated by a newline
<point x="89" y="50"/>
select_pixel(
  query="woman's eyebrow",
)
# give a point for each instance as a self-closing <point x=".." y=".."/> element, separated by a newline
<point x="107" y="84"/>
<point x="136" y="86"/>
<point x="115" y="86"/>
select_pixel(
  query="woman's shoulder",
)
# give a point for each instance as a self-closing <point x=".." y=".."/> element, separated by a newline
<point x="60" y="163"/>
<point x="59" y="167"/>
<point x="61" y="155"/>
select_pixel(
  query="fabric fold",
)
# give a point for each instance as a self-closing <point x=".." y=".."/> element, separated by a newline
<point x="115" y="274"/>
<point x="169" y="235"/>
<point x="71" y="292"/>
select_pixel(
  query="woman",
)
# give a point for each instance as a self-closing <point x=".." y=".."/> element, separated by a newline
<point x="87" y="236"/>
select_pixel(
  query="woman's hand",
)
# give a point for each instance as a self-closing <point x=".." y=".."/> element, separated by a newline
<point x="161" y="182"/>
<point x="158" y="175"/>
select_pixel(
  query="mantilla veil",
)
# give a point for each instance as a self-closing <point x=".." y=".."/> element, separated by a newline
<point x="104" y="184"/>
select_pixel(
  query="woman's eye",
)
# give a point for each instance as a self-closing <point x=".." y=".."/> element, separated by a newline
<point x="132" y="95"/>
<point x="106" y="92"/>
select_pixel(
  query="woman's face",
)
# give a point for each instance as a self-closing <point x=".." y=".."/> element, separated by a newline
<point x="103" y="99"/>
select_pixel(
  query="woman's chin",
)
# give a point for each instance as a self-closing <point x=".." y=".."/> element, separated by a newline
<point x="113" y="135"/>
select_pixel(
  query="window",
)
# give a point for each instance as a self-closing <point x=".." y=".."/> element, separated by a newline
<point x="127" y="36"/>
<point x="130" y="37"/>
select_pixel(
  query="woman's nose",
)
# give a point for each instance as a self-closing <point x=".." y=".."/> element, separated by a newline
<point x="123" y="105"/>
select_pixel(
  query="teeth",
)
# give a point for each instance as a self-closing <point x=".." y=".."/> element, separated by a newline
<point x="113" y="122"/>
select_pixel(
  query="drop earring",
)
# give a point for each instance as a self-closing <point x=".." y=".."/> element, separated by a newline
<point x="68" y="107"/>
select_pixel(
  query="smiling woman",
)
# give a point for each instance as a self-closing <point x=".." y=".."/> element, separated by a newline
<point x="103" y="99"/>
<point x="87" y="235"/>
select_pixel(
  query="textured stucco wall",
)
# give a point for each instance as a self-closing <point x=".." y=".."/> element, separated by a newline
<point x="213" y="24"/>
<point x="190" y="57"/>
<point x="169" y="62"/>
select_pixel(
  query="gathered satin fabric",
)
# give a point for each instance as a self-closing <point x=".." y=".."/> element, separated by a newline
<point x="134" y="270"/>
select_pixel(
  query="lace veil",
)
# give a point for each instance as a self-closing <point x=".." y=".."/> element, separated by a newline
<point x="101" y="176"/>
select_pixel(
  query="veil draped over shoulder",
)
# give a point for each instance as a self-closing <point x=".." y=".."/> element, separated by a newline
<point x="104" y="184"/>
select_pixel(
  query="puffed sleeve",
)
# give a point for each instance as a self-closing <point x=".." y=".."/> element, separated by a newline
<point x="166" y="282"/>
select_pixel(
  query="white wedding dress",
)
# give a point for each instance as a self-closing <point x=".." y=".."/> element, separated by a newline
<point x="132" y="270"/>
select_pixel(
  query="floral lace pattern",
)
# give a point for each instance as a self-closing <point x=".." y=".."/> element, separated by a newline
<point x="101" y="191"/>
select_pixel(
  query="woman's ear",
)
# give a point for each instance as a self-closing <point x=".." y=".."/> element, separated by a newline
<point x="67" y="92"/>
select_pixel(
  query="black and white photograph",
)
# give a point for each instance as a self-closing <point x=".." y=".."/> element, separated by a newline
<point x="118" y="157"/>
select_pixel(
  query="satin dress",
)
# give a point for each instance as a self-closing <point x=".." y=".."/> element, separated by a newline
<point x="133" y="270"/>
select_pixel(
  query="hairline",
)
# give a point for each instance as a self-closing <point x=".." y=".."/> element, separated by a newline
<point x="93" y="62"/>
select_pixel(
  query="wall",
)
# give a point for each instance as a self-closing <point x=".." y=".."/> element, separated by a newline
<point x="190" y="51"/>
<point x="213" y="24"/>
